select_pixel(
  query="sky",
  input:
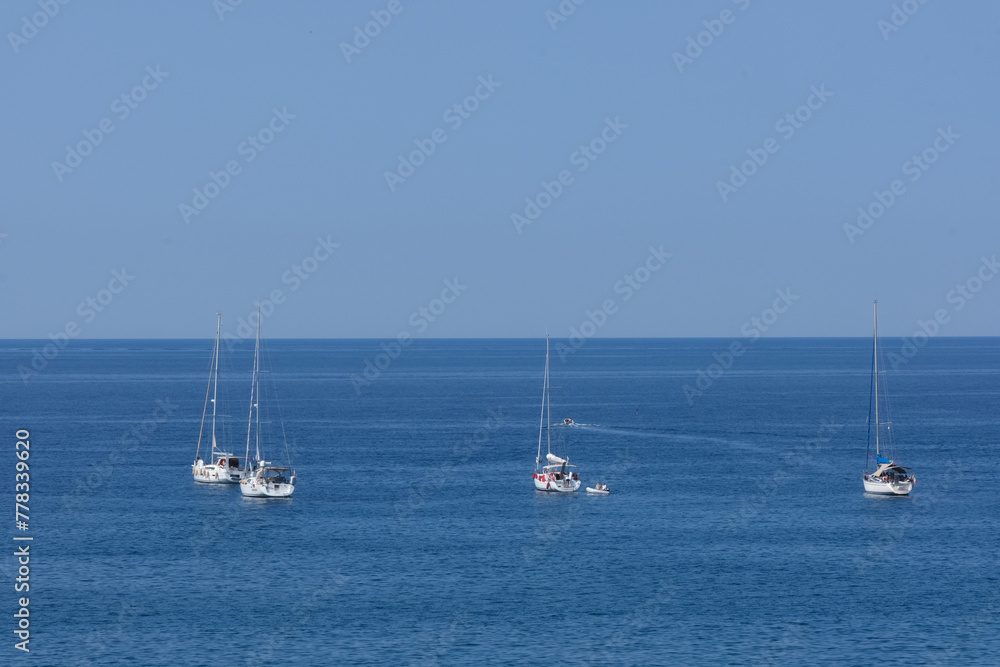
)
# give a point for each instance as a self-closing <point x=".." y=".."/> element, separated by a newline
<point x="484" y="169"/>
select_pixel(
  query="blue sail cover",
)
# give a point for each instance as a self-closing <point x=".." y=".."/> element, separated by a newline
<point x="881" y="460"/>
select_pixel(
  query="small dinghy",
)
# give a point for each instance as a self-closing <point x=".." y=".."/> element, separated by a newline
<point x="568" y="422"/>
<point x="600" y="490"/>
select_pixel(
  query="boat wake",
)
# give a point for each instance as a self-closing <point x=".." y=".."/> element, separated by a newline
<point x="661" y="435"/>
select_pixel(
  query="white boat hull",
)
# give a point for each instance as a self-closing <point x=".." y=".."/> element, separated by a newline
<point x="215" y="474"/>
<point x="888" y="488"/>
<point x="548" y="482"/>
<point x="254" y="489"/>
<point x="597" y="492"/>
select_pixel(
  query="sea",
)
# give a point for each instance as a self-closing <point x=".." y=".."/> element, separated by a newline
<point x="736" y="532"/>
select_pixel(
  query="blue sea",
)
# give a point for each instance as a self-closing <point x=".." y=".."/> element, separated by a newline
<point x="737" y="531"/>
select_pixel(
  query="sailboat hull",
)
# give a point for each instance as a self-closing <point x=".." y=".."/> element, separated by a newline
<point x="251" y="488"/>
<point x="551" y="484"/>
<point x="888" y="488"/>
<point x="213" y="474"/>
<point x="888" y="479"/>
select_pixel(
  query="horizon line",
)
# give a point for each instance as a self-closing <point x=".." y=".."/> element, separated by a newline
<point x="372" y="338"/>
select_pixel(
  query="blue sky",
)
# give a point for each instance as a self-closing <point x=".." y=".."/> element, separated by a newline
<point x="310" y="123"/>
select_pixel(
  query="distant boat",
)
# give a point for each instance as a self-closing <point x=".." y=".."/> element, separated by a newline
<point x="264" y="480"/>
<point x="887" y="478"/>
<point x="558" y="475"/>
<point x="225" y="467"/>
<point x="599" y="490"/>
<point x="568" y="422"/>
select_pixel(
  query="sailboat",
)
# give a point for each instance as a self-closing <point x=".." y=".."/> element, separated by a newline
<point x="887" y="478"/>
<point x="264" y="480"/>
<point x="554" y="473"/>
<point x="225" y="467"/>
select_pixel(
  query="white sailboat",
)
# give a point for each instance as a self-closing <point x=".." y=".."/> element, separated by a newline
<point x="558" y="475"/>
<point x="887" y="478"/>
<point x="264" y="480"/>
<point x="225" y="467"/>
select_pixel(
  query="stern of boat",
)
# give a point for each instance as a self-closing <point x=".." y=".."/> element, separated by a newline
<point x="888" y="488"/>
<point x="548" y="482"/>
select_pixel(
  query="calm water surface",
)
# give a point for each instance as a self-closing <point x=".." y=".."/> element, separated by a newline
<point x="737" y="531"/>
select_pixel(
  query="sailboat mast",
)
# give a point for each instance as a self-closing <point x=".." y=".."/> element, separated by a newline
<point x="541" y="419"/>
<point x="548" y="409"/>
<point x="256" y="364"/>
<point x="208" y="388"/>
<point x="253" y="388"/>
<point x="215" y="390"/>
<point x="876" y="379"/>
